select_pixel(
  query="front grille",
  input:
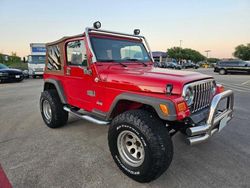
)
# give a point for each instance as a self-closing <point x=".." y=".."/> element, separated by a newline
<point x="202" y="95"/>
<point x="13" y="76"/>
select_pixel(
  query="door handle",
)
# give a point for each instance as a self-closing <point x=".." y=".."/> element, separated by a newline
<point x="68" y="71"/>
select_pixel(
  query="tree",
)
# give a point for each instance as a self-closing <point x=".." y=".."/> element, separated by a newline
<point x="1" y="58"/>
<point x="14" y="58"/>
<point x="176" y="53"/>
<point x="186" y="53"/>
<point x="13" y="54"/>
<point x="242" y="52"/>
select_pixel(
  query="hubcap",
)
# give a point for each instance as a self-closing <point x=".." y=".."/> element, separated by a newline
<point x="130" y="148"/>
<point x="47" y="110"/>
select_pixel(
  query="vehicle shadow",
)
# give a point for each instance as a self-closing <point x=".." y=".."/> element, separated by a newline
<point x="238" y="73"/>
<point x="11" y="82"/>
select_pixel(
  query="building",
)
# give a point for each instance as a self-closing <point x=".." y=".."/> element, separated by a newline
<point x="159" y="56"/>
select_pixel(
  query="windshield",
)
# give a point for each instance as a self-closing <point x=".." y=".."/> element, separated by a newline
<point x="2" y="66"/>
<point x="37" y="59"/>
<point x="119" y="50"/>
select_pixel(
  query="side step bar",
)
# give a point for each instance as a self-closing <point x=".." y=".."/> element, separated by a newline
<point x="86" y="117"/>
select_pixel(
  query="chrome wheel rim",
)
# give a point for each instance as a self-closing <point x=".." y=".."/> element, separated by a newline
<point x="130" y="148"/>
<point x="47" y="110"/>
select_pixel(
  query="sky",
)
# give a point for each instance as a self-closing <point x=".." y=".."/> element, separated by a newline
<point x="216" y="25"/>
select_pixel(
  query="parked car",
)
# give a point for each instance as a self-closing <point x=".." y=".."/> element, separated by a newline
<point x="143" y="105"/>
<point x="224" y="67"/>
<point x="8" y="74"/>
<point x="190" y="65"/>
<point x="157" y="64"/>
<point x="172" y="65"/>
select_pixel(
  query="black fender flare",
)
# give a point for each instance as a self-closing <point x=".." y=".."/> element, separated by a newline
<point x="151" y="101"/>
<point x="58" y="87"/>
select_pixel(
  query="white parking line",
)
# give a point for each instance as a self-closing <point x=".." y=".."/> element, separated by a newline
<point x="236" y="87"/>
<point x="246" y="82"/>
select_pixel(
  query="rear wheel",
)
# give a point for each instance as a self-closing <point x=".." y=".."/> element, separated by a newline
<point x="222" y="71"/>
<point x="140" y="145"/>
<point x="52" y="109"/>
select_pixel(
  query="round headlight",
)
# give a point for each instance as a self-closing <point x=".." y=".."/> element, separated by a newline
<point x="189" y="95"/>
<point x="213" y="88"/>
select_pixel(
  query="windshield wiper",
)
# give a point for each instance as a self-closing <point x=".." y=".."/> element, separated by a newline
<point x="137" y="60"/>
<point x="112" y="60"/>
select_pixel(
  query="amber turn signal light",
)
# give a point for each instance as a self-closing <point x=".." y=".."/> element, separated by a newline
<point x="181" y="106"/>
<point x="164" y="109"/>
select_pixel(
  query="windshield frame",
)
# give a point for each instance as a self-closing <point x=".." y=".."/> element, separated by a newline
<point x="144" y="50"/>
<point x="90" y="31"/>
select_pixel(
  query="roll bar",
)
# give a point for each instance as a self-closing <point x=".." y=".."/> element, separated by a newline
<point x="88" y="30"/>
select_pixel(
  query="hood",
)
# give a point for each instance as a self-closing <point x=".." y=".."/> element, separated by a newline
<point x="10" y="70"/>
<point x="148" y="79"/>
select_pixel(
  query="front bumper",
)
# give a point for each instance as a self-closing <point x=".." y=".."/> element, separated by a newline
<point x="12" y="77"/>
<point x="216" y="120"/>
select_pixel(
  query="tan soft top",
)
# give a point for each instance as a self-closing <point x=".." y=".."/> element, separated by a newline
<point x="63" y="39"/>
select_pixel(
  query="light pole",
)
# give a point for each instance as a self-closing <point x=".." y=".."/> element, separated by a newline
<point x="207" y="51"/>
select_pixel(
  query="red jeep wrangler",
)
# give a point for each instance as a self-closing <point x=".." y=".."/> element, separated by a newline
<point x="108" y="78"/>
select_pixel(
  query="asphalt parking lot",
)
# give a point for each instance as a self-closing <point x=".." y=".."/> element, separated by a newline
<point x="77" y="154"/>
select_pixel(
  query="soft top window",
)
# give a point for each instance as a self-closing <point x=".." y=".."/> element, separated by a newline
<point x="54" y="58"/>
<point x="76" y="53"/>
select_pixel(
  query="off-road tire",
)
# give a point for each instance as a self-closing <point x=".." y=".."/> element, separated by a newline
<point x="59" y="117"/>
<point x="20" y="79"/>
<point x="156" y="141"/>
<point x="222" y="71"/>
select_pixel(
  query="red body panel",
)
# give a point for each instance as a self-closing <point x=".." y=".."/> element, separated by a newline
<point x="108" y="80"/>
<point x="114" y="79"/>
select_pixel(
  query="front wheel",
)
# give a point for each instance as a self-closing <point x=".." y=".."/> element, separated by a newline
<point x="140" y="145"/>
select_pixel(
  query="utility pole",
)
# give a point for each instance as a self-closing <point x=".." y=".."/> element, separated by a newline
<point x="180" y="43"/>
<point x="207" y="51"/>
